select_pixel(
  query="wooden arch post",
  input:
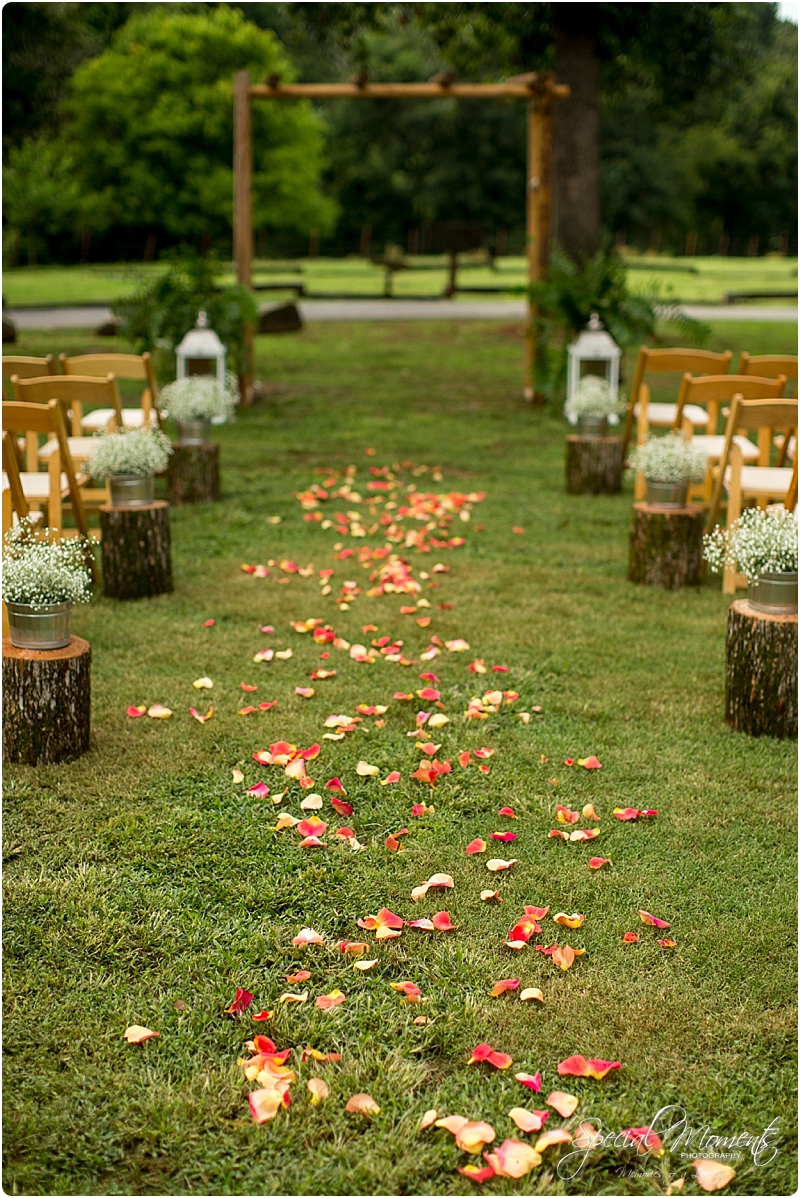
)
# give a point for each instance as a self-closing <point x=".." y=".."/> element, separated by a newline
<point x="540" y="90"/>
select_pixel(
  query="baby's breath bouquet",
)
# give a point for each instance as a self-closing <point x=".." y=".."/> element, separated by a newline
<point x="140" y="451"/>
<point x="41" y="568"/>
<point x="758" y="542"/>
<point x="592" y="398"/>
<point x="200" y="397"/>
<point x="669" y="459"/>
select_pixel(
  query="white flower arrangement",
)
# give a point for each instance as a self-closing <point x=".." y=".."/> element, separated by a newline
<point x="41" y="568"/>
<point x="200" y="397"/>
<point x="592" y="398"/>
<point x="140" y="451"/>
<point x="758" y="542"/>
<point x="670" y="459"/>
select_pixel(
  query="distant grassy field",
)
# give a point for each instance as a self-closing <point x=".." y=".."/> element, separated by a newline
<point x="143" y="885"/>
<point x="699" y="280"/>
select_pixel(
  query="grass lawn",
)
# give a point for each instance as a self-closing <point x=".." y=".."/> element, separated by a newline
<point x="142" y="876"/>
<point x="698" y="280"/>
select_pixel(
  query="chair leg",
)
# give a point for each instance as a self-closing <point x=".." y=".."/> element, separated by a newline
<point x="642" y="429"/>
<point x="730" y="577"/>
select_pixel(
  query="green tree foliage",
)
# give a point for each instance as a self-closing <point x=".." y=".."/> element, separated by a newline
<point x="150" y="129"/>
<point x="165" y="308"/>
<point x="40" y="195"/>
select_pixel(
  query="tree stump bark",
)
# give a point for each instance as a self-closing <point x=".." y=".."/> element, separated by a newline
<point x="46" y="702"/>
<point x="666" y="546"/>
<point x="193" y="474"/>
<point x="137" y="558"/>
<point x="761" y="672"/>
<point x="594" y="465"/>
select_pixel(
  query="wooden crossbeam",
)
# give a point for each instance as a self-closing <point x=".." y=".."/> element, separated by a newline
<point x="406" y="91"/>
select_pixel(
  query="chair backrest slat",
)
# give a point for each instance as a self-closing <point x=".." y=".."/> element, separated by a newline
<point x="765" y="415"/>
<point x="26" y="368"/>
<point x="769" y="365"/>
<point x="74" y="391"/>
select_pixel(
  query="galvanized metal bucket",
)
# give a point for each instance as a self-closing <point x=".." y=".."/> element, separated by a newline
<point x="669" y="495"/>
<point x="774" y="593"/>
<point x="131" y="490"/>
<point x="194" y="432"/>
<point x="593" y="426"/>
<point x="40" y="627"/>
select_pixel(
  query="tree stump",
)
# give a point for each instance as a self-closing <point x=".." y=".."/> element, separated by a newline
<point x="137" y="559"/>
<point x="193" y="474"/>
<point x="46" y="702"/>
<point x="666" y="546"/>
<point x="761" y="672"/>
<point x="594" y="465"/>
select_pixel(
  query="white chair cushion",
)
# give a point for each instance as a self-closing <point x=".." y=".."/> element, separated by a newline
<point x="37" y="486"/>
<point x="79" y="448"/>
<point x="663" y="415"/>
<point x="763" y="480"/>
<point x="94" y="421"/>
<point x="713" y="446"/>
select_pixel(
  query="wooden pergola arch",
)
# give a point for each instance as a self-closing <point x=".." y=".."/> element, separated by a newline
<point x="539" y="89"/>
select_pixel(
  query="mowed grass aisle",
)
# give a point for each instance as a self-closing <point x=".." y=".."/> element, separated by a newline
<point x="141" y="875"/>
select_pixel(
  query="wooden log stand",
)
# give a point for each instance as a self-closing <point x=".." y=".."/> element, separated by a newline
<point x="137" y="558"/>
<point x="193" y="474"/>
<point x="594" y="465"/>
<point x="761" y="672"/>
<point x="46" y="702"/>
<point x="666" y="546"/>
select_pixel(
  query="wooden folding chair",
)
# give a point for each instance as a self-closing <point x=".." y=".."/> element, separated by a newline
<point x="790" y="499"/>
<point x="769" y="365"/>
<point x="743" y="483"/>
<point x="123" y="366"/>
<point x="14" y="501"/>
<point x="25" y="368"/>
<point x="61" y="483"/>
<point x="666" y="361"/>
<point x="709" y="392"/>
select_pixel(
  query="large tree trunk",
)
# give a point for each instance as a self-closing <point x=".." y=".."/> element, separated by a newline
<point x="576" y="132"/>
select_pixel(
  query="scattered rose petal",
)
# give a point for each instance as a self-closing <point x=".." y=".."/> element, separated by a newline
<point x="475" y="846"/>
<point x="135" y="712"/>
<point x="209" y="623"/>
<point x="477" y="1173"/>
<point x="485" y="1052"/>
<point x="201" y="684"/>
<point x="652" y="921"/>
<point x="262" y="1016"/>
<point x="580" y="834"/>
<point x="528" y="1121"/>
<point x="363" y="966"/>
<point x="471" y="1137"/>
<point x="159" y="712"/>
<point x="486" y="895"/>
<point x="533" y="1081"/>
<point x="630" y="938"/>
<point x="302" y="975"/>
<point x="294" y="998"/>
<point x="565" y="1104"/>
<point x="365" y="770"/>
<point x="307" y="936"/>
<point x="265" y="1103"/>
<point x="578" y="1066"/>
<point x="501" y="987"/>
<point x="508" y="811"/>
<point x="313" y="803"/>
<point x="668" y="943"/>
<point x="136" y="1034"/>
<point x="240" y="1003"/>
<point x="260" y="790"/>
<point x="588" y="812"/>
<point x="569" y="921"/>
<point x="201" y="719"/>
<point x="598" y="862"/>
<point x="556" y="1135"/>
<point x="506" y="837"/>
<point x="362" y="1104"/>
<point x="391" y="779"/>
<point x="644" y="1141"/>
<point x="409" y="990"/>
<point x="565" y="816"/>
<point x="712" y="1175"/>
<point x="442" y="923"/>
<point x="513" y="1159"/>
<point x="318" y="1089"/>
<point x="326" y="1002"/>
<point x="336" y="786"/>
<point x="497" y="864"/>
<point x="237" y="776"/>
<point x="589" y="763"/>
<point x="531" y="992"/>
<point x="428" y="1118"/>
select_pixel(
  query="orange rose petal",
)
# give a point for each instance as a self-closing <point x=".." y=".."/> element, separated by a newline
<point x="326" y="1002"/>
<point x="475" y="846"/>
<point x="565" y="1104"/>
<point x="362" y="1104"/>
<point x="598" y="862"/>
<point x="652" y="921"/>
<point x="528" y="1121"/>
<point x="136" y="1034"/>
<point x="502" y="986"/>
<point x="513" y="1159"/>
<point x="578" y="1066"/>
<point x="712" y="1175"/>
<point x="533" y="1081"/>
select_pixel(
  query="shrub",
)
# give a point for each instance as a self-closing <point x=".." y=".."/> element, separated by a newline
<point x="40" y="567"/>
<point x="669" y="459"/>
<point x="139" y="451"/>
<point x="200" y="397"/>
<point x="758" y="542"/>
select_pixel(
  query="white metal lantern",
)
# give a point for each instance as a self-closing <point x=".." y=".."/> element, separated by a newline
<point x="593" y="345"/>
<point x="201" y="345"/>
